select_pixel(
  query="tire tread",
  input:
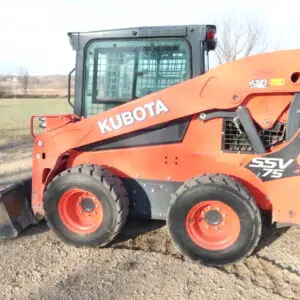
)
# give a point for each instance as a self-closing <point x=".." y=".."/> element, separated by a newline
<point x="113" y="185"/>
<point x="223" y="180"/>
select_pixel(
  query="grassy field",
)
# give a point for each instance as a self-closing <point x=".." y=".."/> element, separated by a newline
<point x="15" y="114"/>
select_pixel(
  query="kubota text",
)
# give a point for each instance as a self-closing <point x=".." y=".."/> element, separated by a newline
<point x="138" y="114"/>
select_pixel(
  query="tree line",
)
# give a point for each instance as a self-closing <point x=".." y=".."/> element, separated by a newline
<point x="8" y="83"/>
<point x="235" y="40"/>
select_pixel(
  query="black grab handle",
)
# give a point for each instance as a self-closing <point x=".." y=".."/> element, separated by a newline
<point x="69" y="87"/>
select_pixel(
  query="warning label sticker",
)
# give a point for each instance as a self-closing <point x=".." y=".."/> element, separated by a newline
<point x="277" y="82"/>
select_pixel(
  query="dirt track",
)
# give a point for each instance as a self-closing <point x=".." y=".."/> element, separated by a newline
<point x="141" y="264"/>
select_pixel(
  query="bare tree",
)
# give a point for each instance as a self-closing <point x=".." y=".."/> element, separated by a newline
<point x="240" y="39"/>
<point x="24" y="79"/>
<point x="5" y="86"/>
<point x="3" y="92"/>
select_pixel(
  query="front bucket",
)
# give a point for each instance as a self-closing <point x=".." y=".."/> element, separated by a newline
<point x="15" y="209"/>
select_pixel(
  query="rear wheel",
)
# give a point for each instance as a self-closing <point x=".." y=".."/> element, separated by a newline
<point x="86" y="205"/>
<point x="213" y="219"/>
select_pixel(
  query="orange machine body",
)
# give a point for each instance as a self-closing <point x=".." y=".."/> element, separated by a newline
<point x="193" y="112"/>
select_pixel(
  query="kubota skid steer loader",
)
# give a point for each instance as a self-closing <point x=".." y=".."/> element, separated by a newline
<point x="209" y="154"/>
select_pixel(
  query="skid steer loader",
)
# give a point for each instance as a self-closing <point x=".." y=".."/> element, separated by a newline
<point x="209" y="152"/>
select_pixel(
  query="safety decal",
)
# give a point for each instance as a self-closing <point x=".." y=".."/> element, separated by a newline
<point x="258" y="84"/>
<point x="277" y="81"/>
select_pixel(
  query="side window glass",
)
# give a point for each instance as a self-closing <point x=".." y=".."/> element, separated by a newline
<point x="120" y="71"/>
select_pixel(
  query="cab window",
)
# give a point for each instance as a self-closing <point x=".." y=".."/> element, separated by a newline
<point x="118" y="71"/>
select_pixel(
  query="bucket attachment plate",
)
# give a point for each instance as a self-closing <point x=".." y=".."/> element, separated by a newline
<point x="15" y="209"/>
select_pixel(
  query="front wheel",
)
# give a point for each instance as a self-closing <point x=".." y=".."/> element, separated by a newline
<point x="86" y="205"/>
<point x="213" y="219"/>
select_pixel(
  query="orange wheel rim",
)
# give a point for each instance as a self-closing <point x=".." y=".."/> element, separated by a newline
<point x="213" y="225"/>
<point x="80" y="211"/>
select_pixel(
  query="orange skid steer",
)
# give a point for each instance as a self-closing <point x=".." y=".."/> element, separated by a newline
<point x="156" y="135"/>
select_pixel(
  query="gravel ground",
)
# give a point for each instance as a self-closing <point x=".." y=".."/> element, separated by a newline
<point x="141" y="264"/>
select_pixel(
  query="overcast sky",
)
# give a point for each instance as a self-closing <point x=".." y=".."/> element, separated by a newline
<point x="33" y="33"/>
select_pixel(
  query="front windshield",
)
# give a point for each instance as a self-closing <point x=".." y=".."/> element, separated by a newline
<point x="118" y="71"/>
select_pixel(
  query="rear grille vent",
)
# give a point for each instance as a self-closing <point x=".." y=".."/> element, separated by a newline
<point x="236" y="140"/>
<point x="273" y="136"/>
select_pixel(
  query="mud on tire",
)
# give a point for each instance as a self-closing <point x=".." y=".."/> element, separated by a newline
<point x="99" y="182"/>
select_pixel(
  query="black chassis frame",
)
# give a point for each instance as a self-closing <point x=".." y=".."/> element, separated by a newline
<point x="195" y="35"/>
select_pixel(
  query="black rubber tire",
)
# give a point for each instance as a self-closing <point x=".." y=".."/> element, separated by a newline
<point x="225" y="189"/>
<point x="105" y="186"/>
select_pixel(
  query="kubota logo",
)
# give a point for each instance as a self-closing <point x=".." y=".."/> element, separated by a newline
<point x="138" y="114"/>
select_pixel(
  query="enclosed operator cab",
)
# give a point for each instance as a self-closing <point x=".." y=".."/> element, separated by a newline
<point x="120" y="65"/>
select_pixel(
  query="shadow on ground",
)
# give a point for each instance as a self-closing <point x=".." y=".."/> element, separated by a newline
<point x="133" y="229"/>
<point x="137" y="227"/>
<point x="269" y="235"/>
<point x="9" y="179"/>
<point x="152" y="236"/>
<point x="36" y="229"/>
<point x="24" y="142"/>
